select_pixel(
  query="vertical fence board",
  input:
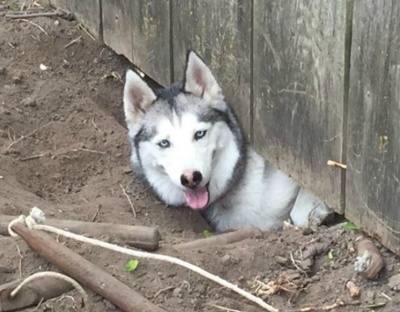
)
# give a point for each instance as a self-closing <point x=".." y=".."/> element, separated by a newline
<point x="373" y="177"/>
<point x="118" y="26"/>
<point x="299" y="56"/>
<point x="87" y="12"/>
<point x="220" y="31"/>
<point x="151" y="38"/>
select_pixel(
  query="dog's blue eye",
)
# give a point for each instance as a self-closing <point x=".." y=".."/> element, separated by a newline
<point x="164" y="144"/>
<point x="199" y="134"/>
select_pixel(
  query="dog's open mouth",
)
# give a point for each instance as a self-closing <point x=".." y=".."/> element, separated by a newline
<point x="197" y="198"/>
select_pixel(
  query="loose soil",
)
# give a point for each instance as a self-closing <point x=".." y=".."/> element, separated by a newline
<point x="70" y="117"/>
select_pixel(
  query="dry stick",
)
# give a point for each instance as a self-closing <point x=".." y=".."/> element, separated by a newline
<point x="326" y="308"/>
<point x="84" y="271"/>
<point x="146" y="255"/>
<point x="36" y="25"/>
<point x="45" y="288"/>
<point x="21" y="257"/>
<point x="31" y="157"/>
<point x="28" y="135"/>
<point x="294" y="263"/>
<point x="97" y="212"/>
<point x="129" y="200"/>
<point x="87" y="33"/>
<point x="95" y="126"/>
<point x="336" y="164"/>
<point x="163" y="290"/>
<point x="221" y="239"/>
<point x="58" y="13"/>
<point x="72" y="42"/>
<point x="142" y="237"/>
<point x="223" y="308"/>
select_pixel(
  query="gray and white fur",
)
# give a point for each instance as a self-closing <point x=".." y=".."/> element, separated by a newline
<point x="190" y="148"/>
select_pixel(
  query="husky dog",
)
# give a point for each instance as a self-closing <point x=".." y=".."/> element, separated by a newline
<point x="190" y="148"/>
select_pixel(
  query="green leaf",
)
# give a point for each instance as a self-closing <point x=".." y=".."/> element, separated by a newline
<point x="350" y="226"/>
<point x="131" y="265"/>
<point x="330" y="254"/>
<point x="207" y="233"/>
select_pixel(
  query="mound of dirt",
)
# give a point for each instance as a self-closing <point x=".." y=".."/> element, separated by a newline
<point x="64" y="148"/>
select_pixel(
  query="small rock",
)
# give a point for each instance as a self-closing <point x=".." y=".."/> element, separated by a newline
<point x="56" y="23"/>
<point x="29" y="102"/>
<point x="3" y="71"/>
<point x="370" y="296"/>
<point x="226" y="260"/>
<point x="43" y="67"/>
<point x="282" y="260"/>
<point x="127" y="169"/>
<point x="17" y="79"/>
<point x="307" y="231"/>
<point x="177" y="292"/>
<point x="394" y="281"/>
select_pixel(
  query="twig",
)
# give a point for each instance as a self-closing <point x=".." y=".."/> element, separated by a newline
<point x="163" y="290"/>
<point x="129" y="200"/>
<point x="88" y="150"/>
<point x="31" y="157"/>
<point x="95" y="126"/>
<point x="28" y="135"/>
<point x="60" y="13"/>
<point x="87" y="33"/>
<point x="39" y="304"/>
<point x="21" y="257"/>
<point x="386" y="296"/>
<point x="36" y="25"/>
<point x="96" y="214"/>
<point x="224" y="309"/>
<point x="326" y="308"/>
<point x="294" y="263"/>
<point x="72" y="42"/>
<point x="336" y="164"/>
<point x="374" y="305"/>
<point x="80" y="150"/>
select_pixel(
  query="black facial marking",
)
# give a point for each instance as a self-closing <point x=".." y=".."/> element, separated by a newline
<point x="141" y="136"/>
<point x="214" y="115"/>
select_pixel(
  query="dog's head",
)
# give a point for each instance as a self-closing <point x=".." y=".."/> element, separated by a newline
<point x="183" y="135"/>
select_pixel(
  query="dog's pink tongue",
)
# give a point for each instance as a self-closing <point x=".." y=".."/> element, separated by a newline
<point x="197" y="198"/>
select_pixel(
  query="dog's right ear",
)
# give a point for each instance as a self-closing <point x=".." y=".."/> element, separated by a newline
<point x="137" y="97"/>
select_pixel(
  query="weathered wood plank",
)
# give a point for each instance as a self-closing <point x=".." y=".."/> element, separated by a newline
<point x="151" y="38"/>
<point x="299" y="56"/>
<point x="118" y="26"/>
<point x="220" y="32"/>
<point x="373" y="175"/>
<point x="87" y="12"/>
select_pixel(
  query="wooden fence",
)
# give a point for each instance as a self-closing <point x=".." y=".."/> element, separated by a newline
<point x="311" y="81"/>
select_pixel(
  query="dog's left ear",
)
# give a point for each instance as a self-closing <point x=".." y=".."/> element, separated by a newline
<point x="199" y="80"/>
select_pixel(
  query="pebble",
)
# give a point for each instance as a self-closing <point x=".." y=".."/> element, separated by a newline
<point x="29" y="102"/>
<point x="177" y="292"/>
<point x="281" y="260"/>
<point x="226" y="260"/>
<point x="3" y="71"/>
<point x="394" y="281"/>
<point x="17" y="79"/>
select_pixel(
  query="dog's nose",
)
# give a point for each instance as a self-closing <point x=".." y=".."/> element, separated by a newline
<point x="191" y="178"/>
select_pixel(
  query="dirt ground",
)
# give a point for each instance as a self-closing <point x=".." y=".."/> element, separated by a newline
<point x="64" y="148"/>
